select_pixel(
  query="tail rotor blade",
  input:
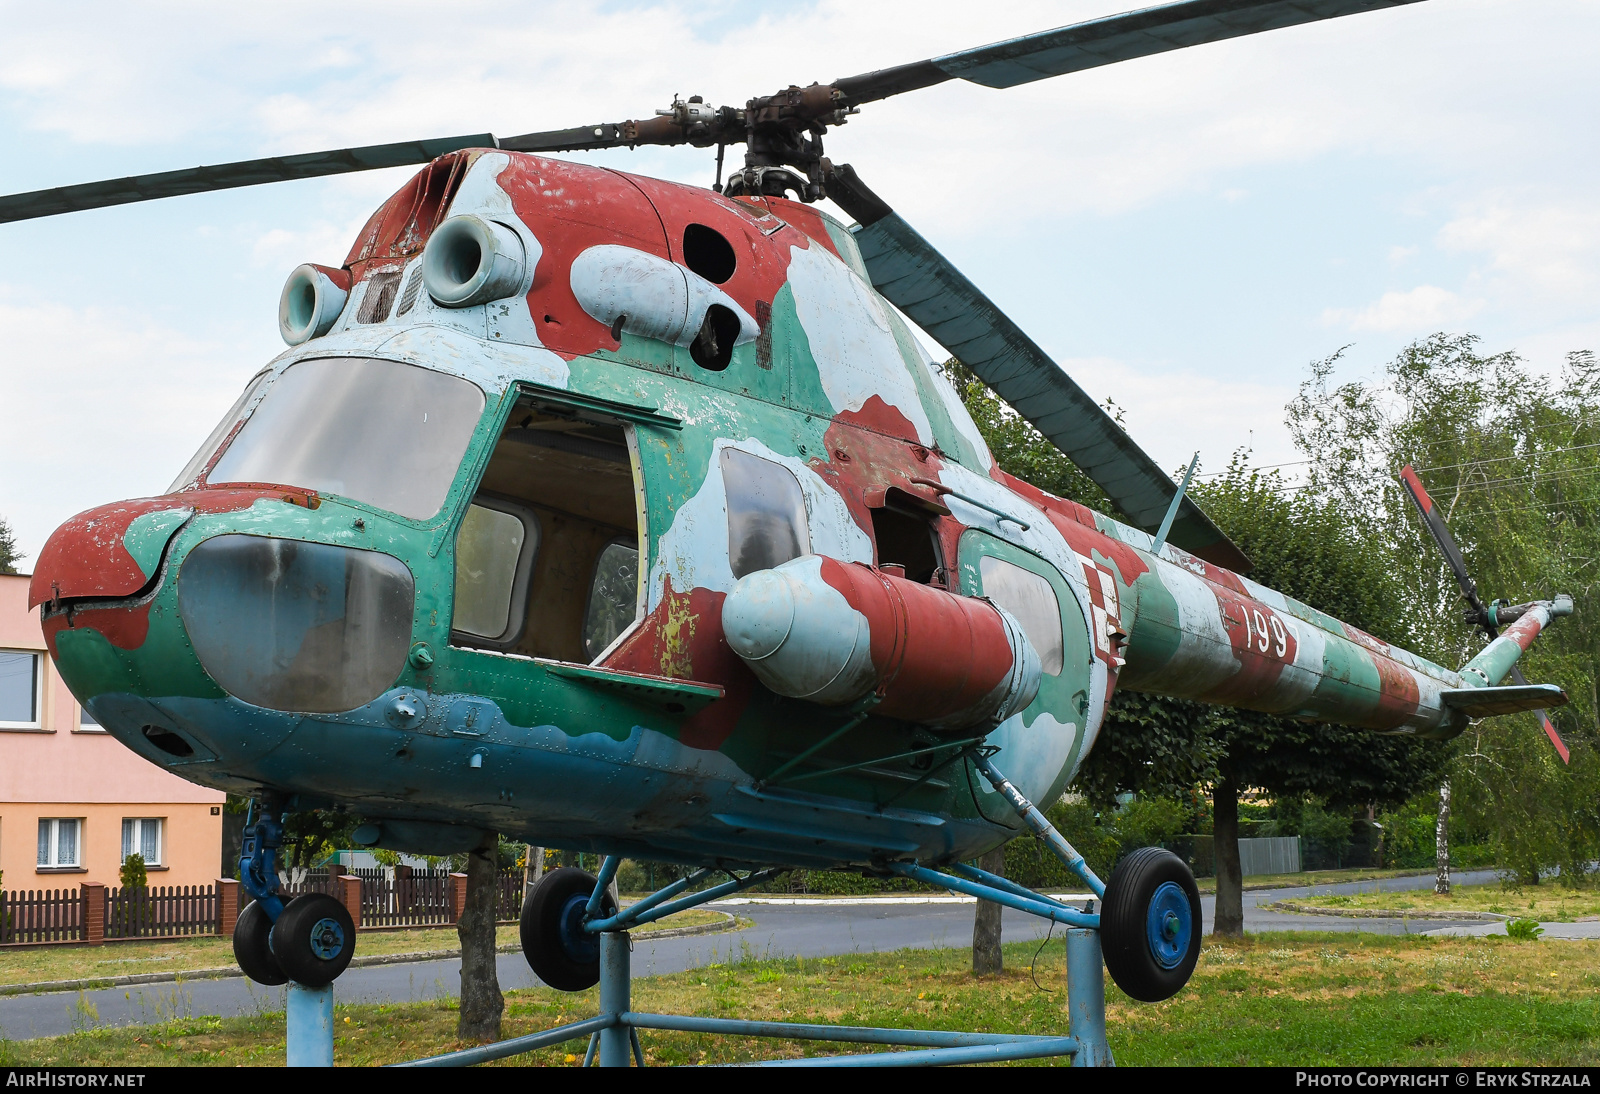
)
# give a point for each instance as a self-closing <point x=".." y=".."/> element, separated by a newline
<point x="1436" y="526"/>
<point x="1544" y="720"/>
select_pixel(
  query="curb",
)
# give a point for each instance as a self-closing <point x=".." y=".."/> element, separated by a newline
<point x="1377" y="913"/>
<point x="45" y="987"/>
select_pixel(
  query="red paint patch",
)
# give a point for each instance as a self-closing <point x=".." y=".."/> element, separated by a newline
<point x="682" y="638"/>
<point x="806" y="219"/>
<point x="86" y="558"/>
<point x="1262" y="644"/>
<point x="936" y="653"/>
<point x="124" y="628"/>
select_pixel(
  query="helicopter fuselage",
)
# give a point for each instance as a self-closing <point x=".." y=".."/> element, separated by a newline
<point x="457" y="562"/>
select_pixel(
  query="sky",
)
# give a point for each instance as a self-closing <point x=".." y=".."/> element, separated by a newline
<point x="1183" y="233"/>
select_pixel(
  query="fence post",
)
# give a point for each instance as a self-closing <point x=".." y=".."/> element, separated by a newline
<point x="94" y="912"/>
<point x="349" y="894"/>
<point x="227" y="905"/>
<point x="458" y="896"/>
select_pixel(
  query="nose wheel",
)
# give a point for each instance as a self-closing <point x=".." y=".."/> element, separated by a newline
<point x="1150" y="924"/>
<point x="313" y="939"/>
<point x="559" y="951"/>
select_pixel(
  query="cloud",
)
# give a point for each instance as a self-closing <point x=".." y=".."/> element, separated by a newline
<point x="99" y="404"/>
<point x="1426" y="307"/>
<point x="1535" y="243"/>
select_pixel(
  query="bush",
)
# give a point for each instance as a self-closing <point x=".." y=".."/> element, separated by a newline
<point x="133" y="874"/>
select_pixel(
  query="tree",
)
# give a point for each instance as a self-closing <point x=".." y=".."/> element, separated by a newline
<point x="1302" y="545"/>
<point x="1510" y="455"/>
<point x="8" y="548"/>
<point x="481" y="1002"/>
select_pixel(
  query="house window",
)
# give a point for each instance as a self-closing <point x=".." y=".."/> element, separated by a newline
<point x="59" y="843"/>
<point x="19" y="689"/>
<point x="86" y="721"/>
<point x="766" y="513"/>
<point x="142" y="836"/>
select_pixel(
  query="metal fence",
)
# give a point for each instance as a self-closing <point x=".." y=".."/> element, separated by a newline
<point x="41" y="915"/>
<point x="1269" y="855"/>
<point x="166" y="911"/>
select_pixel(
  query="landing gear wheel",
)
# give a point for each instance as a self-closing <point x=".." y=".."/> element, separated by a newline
<point x="314" y="939"/>
<point x="559" y="951"/>
<point x="250" y="948"/>
<point x="1150" y="924"/>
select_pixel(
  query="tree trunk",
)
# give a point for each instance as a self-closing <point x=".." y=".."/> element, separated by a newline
<point x="986" y="959"/>
<point x="481" y="1001"/>
<point x="1225" y="850"/>
<point x="1441" y="841"/>
<point x="532" y="868"/>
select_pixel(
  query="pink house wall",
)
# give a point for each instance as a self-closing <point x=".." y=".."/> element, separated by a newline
<point x="65" y="770"/>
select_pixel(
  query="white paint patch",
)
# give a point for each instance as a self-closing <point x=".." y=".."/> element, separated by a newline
<point x="848" y="330"/>
<point x="654" y="298"/>
<point x="694" y="549"/>
<point x="953" y="406"/>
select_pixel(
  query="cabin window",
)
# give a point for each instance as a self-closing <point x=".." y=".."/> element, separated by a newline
<point x="1032" y="600"/>
<point x="191" y="470"/>
<point x="553" y="558"/>
<point x="612" y="597"/>
<point x="908" y="540"/>
<point x="381" y="432"/>
<point x="495" y="549"/>
<point x="766" y="513"/>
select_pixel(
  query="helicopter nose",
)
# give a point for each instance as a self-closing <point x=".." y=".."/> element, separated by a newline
<point x="106" y="553"/>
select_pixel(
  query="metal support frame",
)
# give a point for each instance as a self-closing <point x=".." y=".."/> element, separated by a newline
<point x="657" y="905"/>
<point x="613" y="1033"/>
<point x="308" y="1026"/>
<point x="614" y="1039"/>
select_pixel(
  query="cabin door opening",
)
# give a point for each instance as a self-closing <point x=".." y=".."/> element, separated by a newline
<point x="547" y="555"/>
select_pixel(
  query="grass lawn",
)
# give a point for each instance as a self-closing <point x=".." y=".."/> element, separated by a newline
<point x="1283" y="999"/>
<point x="33" y="964"/>
<point x="1550" y="902"/>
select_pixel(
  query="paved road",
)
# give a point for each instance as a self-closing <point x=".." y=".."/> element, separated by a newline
<point x="809" y="929"/>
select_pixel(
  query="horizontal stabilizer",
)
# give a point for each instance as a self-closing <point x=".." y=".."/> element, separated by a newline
<point x="1511" y="699"/>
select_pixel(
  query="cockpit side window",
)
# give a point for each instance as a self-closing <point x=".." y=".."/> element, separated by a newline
<point x="766" y="513"/>
<point x="197" y="463"/>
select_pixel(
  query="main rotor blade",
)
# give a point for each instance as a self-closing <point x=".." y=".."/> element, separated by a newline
<point x="1440" y="531"/>
<point x="1103" y="41"/>
<point x="921" y="282"/>
<point x="227" y="176"/>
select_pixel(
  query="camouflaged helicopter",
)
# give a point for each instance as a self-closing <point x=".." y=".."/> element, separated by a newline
<point x="631" y="516"/>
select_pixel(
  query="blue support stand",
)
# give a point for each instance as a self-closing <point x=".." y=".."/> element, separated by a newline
<point x="613" y="1033"/>
<point x="309" y="1021"/>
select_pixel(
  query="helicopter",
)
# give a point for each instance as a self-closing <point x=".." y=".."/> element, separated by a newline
<point x="631" y="517"/>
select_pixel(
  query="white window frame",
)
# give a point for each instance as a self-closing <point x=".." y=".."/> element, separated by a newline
<point x="55" y="843"/>
<point x="138" y="842"/>
<point x="90" y="726"/>
<point x="38" y="692"/>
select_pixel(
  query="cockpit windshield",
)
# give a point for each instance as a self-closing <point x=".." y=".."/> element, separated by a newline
<point x="389" y="434"/>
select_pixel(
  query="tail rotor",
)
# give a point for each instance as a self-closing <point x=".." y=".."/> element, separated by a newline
<point x="1487" y="616"/>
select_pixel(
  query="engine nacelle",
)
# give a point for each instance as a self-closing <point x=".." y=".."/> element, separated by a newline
<point x="835" y="632"/>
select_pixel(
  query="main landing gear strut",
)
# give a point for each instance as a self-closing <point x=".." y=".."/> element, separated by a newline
<point x="1149" y="925"/>
<point x="305" y="943"/>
